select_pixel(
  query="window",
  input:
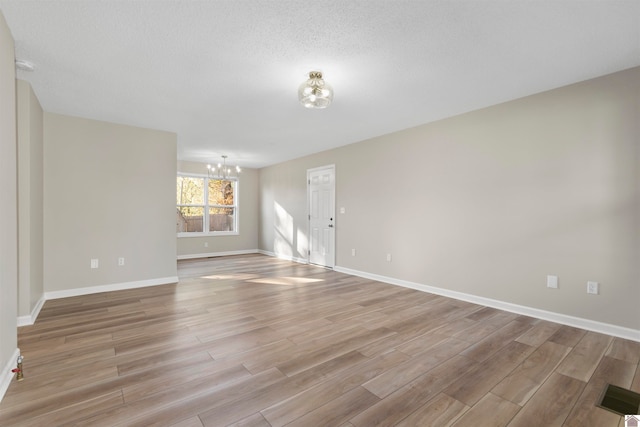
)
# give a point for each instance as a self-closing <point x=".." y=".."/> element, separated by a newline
<point x="206" y="206"/>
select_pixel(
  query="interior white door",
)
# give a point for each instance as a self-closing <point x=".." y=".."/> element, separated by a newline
<point x="321" y="194"/>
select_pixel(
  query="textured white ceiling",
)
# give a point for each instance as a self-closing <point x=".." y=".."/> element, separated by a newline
<point x="224" y="75"/>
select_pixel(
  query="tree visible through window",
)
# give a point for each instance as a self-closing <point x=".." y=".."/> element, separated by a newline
<point x="206" y="205"/>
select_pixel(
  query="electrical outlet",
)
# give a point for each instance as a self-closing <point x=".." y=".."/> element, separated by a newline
<point x="353" y="252"/>
<point x="552" y="282"/>
<point x="121" y="261"/>
<point x="592" y="288"/>
<point x="94" y="263"/>
<point x="206" y="244"/>
<point x="388" y="257"/>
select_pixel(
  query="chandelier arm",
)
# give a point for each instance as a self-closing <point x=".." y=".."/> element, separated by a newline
<point x="223" y="172"/>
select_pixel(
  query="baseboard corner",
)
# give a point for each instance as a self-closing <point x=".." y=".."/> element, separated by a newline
<point x="6" y="376"/>
<point x="31" y="318"/>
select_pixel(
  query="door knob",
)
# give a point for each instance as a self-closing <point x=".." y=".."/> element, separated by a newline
<point x="330" y="225"/>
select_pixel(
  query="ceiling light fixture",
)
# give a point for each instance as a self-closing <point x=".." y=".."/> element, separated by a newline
<point x="315" y="92"/>
<point x="223" y="171"/>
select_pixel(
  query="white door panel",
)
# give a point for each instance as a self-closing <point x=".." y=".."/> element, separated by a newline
<point x="322" y="216"/>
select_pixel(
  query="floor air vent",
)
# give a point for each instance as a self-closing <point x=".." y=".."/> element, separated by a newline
<point x="620" y="400"/>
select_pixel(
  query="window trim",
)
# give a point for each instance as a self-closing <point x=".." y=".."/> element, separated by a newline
<point x="206" y="206"/>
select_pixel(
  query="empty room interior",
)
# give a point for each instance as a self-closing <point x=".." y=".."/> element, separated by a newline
<point x="319" y="213"/>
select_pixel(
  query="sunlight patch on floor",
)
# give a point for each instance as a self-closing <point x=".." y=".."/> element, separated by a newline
<point x="230" y="276"/>
<point x="285" y="280"/>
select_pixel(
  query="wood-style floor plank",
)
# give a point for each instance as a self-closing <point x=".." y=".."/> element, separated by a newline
<point x="539" y="333"/>
<point x="609" y="371"/>
<point x="442" y="410"/>
<point x="585" y="356"/>
<point x="77" y="411"/>
<point x="626" y="350"/>
<point x="338" y="410"/>
<point x="551" y="405"/>
<point x="522" y="383"/>
<point x="178" y="403"/>
<point x="295" y="407"/>
<point x="483" y="376"/>
<point x="490" y="411"/>
<point x="401" y="403"/>
<point x="255" y="420"/>
<point x="193" y="422"/>
<point x="255" y="341"/>
<point x="403" y="373"/>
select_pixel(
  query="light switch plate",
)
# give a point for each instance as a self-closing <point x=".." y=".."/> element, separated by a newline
<point x="552" y="282"/>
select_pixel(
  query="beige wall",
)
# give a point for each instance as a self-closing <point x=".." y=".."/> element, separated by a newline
<point x="491" y="202"/>
<point x="247" y="239"/>
<point x="108" y="193"/>
<point x="283" y="205"/>
<point x="8" y="209"/>
<point x="30" y="198"/>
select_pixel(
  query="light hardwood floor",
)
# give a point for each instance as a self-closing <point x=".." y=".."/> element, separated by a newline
<point x="256" y="341"/>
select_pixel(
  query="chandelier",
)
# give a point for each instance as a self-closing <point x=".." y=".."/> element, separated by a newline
<point x="222" y="171"/>
<point x="315" y="92"/>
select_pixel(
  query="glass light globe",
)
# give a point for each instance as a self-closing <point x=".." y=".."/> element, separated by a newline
<point x="315" y="92"/>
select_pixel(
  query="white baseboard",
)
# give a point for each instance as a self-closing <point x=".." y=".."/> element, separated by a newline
<point x="31" y="319"/>
<point x="578" y="322"/>
<point x="6" y="375"/>
<point x="215" y="254"/>
<point x="284" y="257"/>
<point x="108" y="288"/>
